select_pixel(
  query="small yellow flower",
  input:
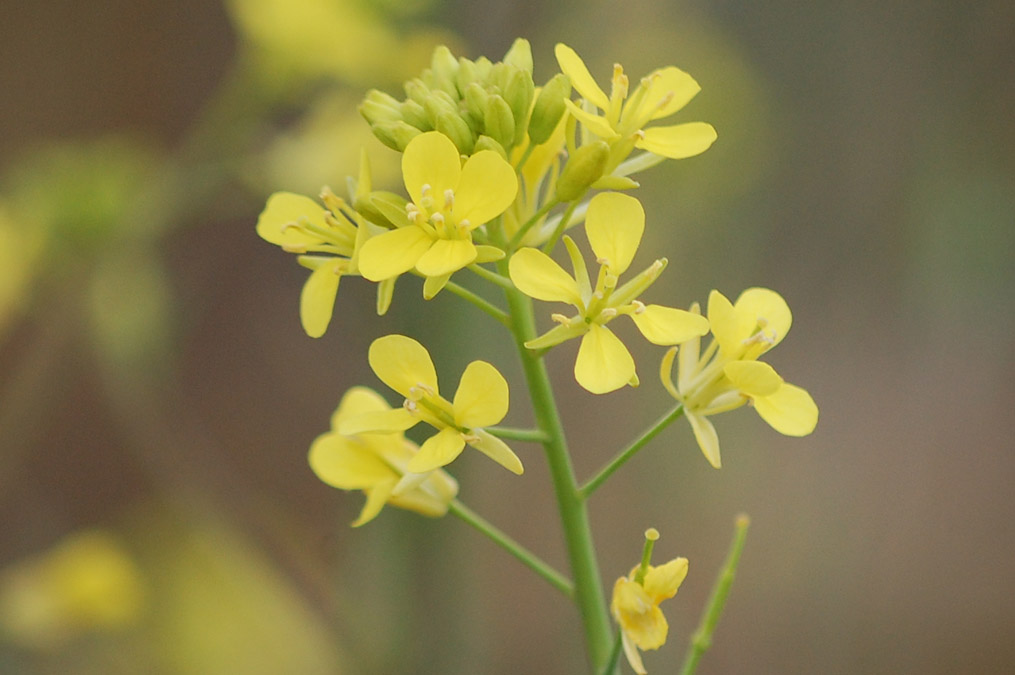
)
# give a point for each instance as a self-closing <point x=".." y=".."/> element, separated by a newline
<point x="728" y="374"/>
<point x="375" y="463"/>
<point x="635" y="605"/>
<point x="614" y="225"/>
<point x="448" y="202"/>
<point x="328" y="241"/>
<point x="481" y="400"/>
<point x="624" y="119"/>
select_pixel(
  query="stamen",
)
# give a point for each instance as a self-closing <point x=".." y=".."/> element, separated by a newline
<point x="639" y="306"/>
<point x="449" y="199"/>
<point x="608" y="313"/>
<point x="294" y="248"/>
<point x="560" y="318"/>
<point x="437" y="219"/>
<point x="410" y="406"/>
<point x="470" y="438"/>
<point x="604" y="261"/>
<point x="465" y="224"/>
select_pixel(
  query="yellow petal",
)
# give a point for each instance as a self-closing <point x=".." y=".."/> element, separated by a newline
<point x="434" y="285"/>
<point x="707" y="439"/>
<point x="678" y="141"/>
<point x="498" y="451"/>
<point x="572" y="65"/>
<point x="729" y="326"/>
<point x="790" y="410"/>
<point x="538" y="276"/>
<point x="633" y="656"/>
<point x="439" y="450"/>
<point x="377" y="497"/>
<point x="614" y="224"/>
<point x="355" y="402"/>
<point x="378" y="421"/>
<point x="431" y="159"/>
<point x="482" y="396"/>
<point x="487" y="187"/>
<point x="668" y="326"/>
<point x="769" y="308"/>
<point x="594" y="123"/>
<point x="317" y="299"/>
<point x="603" y="363"/>
<point x="345" y="463"/>
<point x="392" y="253"/>
<point x="402" y="363"/>
<point x="753" y="378"/>
<point x="446" y="256"/>
<point x="663" y="581"/>
<point x="284" y="208"/>
<point x="671" y="80"/>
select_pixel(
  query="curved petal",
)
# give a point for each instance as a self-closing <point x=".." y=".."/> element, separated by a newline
<point x="402" y="363"/>
<point x="707" y="439"/>
<point x="539" y="276"/>
<point x="377" y="422"/>
<point x="662" y="582"/>
<point x="392" y="253"/>
<point x="603" y="363"/>
<point x="768" y="308"/>
<point x="498" y="451"/>
<point x="594" y="123"/>
<point x="678" y="141"/>
<point x="632" y="654"/>
<point x="439" y="450"/>
<point x="284" y="208"/>
<point x="668" y="326"/>
<point x="431" y="159"/>
<point x="487" y="187"/>
<point x="729" y="326"/>
<point x="446" y="256"/>
<point x="614" y="224"/>
<point x="377" y="497"/>
<point x="482" y="396"/>
<point x="572" y="65"/>
<point x="753" y="378"/>
<point x="671" y="80"/>
<point x="355" y="402"/>
<point x="317" y="299"/>
<point x="346" y="464"/>
<point x="790" y="410"/>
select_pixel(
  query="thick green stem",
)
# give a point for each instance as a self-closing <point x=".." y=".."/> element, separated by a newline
<point x="512" y="434"/>
<point x="480" y="302"/>
<point x="533" y="562"/>
<point x="588" y="590"/>
<point x="629" y="452"/>
<point x="702" y="638"/>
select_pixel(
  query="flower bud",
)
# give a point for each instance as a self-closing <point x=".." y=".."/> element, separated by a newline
<point x="414" y="114"/>
<point x="518" y="92"/>
<point x="476" y="98"/>
<point x="444" y="69"/>
<point x="380" y="107"/>
<point x="520" y="55"/>
<point x="484" y="142"/>
<point x="583" y="168"/>
<point x="468" y="72"/>
<point x="395" y="135"/>
<point x="549" y="108"/>
<point x="499" y="122"/>
<point x="454" y="127"/>
<point x="417" y="90"/>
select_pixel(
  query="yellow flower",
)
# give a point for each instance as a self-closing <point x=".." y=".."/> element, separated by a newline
<point x="728" y="375"/>
<point x="375" y="463"/>
<point x="614" y="225"/>
<point x="624" y="118"/>
<point x="328" y="241"/>
<point x="635" y="605"/>
<point x="449" y="201"/>
<point x="481" y="400"/>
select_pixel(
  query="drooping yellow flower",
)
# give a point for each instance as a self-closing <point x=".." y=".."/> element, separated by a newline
<point x="623" y="119"/>
<point x="328" y="241"/>
<point x="481" y="401"/>
<point x="635" y="605"/>
<point x="614" y="225"/>
<point x="448" y="202"/>
<point x="728" y="374"/>
<point x="376" y="462"/>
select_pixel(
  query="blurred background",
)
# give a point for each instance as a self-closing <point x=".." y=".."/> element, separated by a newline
<point x="158" y="396"/>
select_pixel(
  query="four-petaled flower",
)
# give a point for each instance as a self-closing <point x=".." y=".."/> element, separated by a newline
<point x="728" y="375"/>
<point x="623" y="119"/>
<point x="481" y="400"/>
<point x="635" y="606"/>
<point x="375" y="463"/>
<point x="614" y="225"/>
<point x="448" y="202"/>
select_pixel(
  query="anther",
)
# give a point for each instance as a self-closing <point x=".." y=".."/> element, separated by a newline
<point x="639" y="306"/>
<point x="449" y="199"/>
<point x="560" y="318"/>
<point x="608" y="313"/>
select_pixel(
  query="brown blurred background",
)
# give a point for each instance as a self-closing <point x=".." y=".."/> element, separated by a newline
<point x="155" y="382"/>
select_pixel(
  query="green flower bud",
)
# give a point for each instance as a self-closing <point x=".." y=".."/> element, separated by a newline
<point x="583" y="168"/>
<point x="454" y="127"/>
<point x="549" y="108"/>
<point x="518" y="92"/>
<point x="484" y="142"/>
<point x="468" y="72"/>
<point x="417" y="90"/>
<point x="499" y="122"/>
<point x="380" y="107"/>
<point x="520" y="55"/>
<point x="476" y="99"/>
<point x="395" y="135"/>
<point x="439" y="103"/>
<point x="415" y="114"/>
<point x="444" y="69"/>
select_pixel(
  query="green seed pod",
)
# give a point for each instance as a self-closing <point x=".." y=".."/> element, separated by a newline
<point x="520" y="55"/>
<point x="518" y="93"/>
<point x="444" y="69"/>
<point x="380" y="107"/>
<point x="549" y="108"/>
<point x="395" y="135"/>
<point x="499" y="122"/>
<point x="583" y="169"/>
<point x="484" y="142"/>
<point x="454" y="127"/>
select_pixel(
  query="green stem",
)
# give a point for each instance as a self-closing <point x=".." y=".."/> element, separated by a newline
<point x="588" y="588"/>
<point x="523" y="230"/>
<point x="531" y="435"/>
<point x="533" y="562"/>
<point x="479" y="302"/>
<point x="702" y="638"/>
<point x="501" y="280"/>
<point x="611" y="665"/>
<point x="561" y="226"/>
<point x="629" y="452"/>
